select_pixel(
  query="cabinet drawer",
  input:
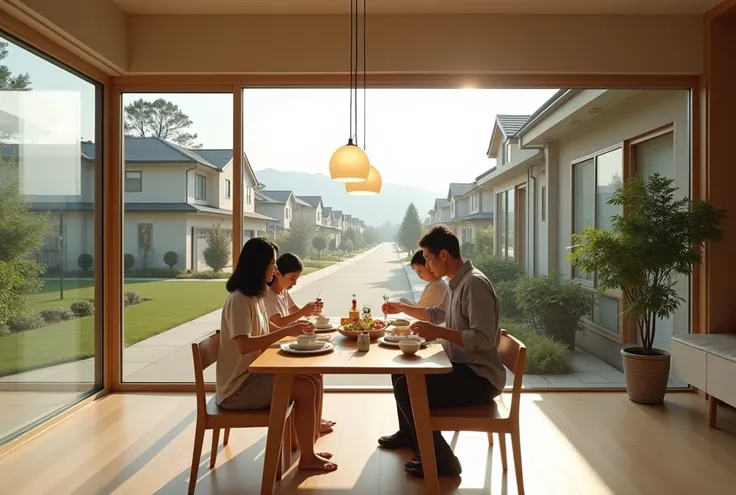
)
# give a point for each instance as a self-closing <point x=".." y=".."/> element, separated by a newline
<point x="721" y="381"/>
<point x="689" y="364"/>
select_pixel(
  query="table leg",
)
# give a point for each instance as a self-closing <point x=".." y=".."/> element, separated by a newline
<point x="276" y="422"/>
<point x="417" y="385"/>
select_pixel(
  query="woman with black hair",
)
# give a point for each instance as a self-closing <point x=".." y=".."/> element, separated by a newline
<point x="283" y="311"/>
<point x="244" y="334"/>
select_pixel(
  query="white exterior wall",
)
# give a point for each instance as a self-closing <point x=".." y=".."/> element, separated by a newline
<point x="161" y="183"/>
<point x="168" y="234"/>
<point x="642" y="113"/>
<point x="273" y="210"/>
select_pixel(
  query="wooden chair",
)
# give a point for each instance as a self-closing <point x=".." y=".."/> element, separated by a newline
<point x="211" y="417"/>
<point x="497" y="417"/>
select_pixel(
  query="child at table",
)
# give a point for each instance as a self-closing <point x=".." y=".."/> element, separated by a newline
<point x="434" y="292"/>
<point x="282" y="311"/>
<point x="245" y="334"/>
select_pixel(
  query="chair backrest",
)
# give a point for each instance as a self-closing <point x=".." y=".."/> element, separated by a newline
<point x="513" y="356"/>
<point x="204" y="354"/>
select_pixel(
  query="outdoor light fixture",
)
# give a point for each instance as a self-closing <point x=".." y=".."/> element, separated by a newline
<point x="350" y="164"/>
<point x="370" y="187"/>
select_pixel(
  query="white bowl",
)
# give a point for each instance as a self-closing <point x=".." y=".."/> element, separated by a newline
<point x="409" y="347"/>
<point x="306" y="339"/>
<point x="299" y="346"/>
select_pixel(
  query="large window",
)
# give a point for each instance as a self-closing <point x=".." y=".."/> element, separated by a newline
<point x="50" y="222"/>
<point x="177" y="234"/>
<point x="506" y="222"/>
<point x="133" y="181"/>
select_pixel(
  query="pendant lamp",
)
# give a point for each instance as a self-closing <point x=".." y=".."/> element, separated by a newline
<point x="349" y="163"/>
<point x="370" y="187"/>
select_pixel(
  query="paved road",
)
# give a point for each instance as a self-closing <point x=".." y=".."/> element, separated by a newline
<point x="379" y="273"/>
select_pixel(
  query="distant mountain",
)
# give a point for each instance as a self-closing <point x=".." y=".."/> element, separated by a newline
<point x="389" y="206"/>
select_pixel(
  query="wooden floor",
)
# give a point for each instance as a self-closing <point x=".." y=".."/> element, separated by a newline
<point x="573" y="443"/>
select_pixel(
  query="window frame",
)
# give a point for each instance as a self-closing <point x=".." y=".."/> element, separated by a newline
<point x="504" y="192"/>
<point x="248" y="194"/>
<point x="228" y="189"/>
<point x="543" y="203"/>
<point x="140" y="179"/>
<point x="197" y="177"/>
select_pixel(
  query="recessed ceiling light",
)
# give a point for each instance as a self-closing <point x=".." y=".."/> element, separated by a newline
<point x="575" y="122"/>
<point x="595" y="110"/>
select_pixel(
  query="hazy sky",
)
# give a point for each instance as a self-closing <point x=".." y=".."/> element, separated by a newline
<point x="426" y="138"/>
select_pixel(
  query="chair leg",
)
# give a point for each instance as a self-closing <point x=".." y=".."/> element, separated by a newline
<point x="294" y="441"/>
<point x="502" y="450"/>
<point x="227" y="436"/>
<point x="490" y="438"/>
<point x="516" y="447"/>
<point x="280" y="465"/>
<point x="287" y="443"/>
<point x="215" y="445"/>
<point x="196" y="454"/>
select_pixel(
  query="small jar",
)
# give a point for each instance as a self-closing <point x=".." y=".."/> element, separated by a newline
<point x="364" y="342"/>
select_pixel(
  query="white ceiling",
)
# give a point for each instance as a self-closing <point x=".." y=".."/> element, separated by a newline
<point x="418" y="6"/>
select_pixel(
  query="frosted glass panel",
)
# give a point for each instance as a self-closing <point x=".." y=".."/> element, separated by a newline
<point x="608" y="178"/>
<point x="656" y="156"/>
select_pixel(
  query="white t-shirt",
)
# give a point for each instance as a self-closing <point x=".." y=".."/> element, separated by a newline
<point x="241" y="315"/>
<point x="433" y="294"/>
<point x="278" y="303"/>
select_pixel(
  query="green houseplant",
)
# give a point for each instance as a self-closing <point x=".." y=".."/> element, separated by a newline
<point x="657" y="239"/>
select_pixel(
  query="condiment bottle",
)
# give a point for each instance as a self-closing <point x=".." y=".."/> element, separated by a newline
<point x="364" y="342"/>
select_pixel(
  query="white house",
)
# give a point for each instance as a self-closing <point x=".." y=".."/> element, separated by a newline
<point x="173" y="198"/>
<point x="556" y="169"/>
<point x="464" y="210"/>
<point x="315" y="213"/>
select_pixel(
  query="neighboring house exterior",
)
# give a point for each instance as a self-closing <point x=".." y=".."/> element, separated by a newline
<point x="279" y="205"/>
<point x="463" y="210"/>
<point x="173" y="198"/>
<point x="555" y="172"/>
<point x="317" y="214"/>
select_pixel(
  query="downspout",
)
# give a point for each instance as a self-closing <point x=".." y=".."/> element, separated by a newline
<point x="532" y="228"/>
<point x="186" y="200"/>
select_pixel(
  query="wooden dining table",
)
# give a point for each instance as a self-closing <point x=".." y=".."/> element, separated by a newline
<point x="345" y="359"/>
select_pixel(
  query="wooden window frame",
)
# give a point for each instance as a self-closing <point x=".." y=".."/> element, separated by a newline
<point x="517" y="220"/>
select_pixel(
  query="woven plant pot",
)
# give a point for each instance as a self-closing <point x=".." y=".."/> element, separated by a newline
<point x="646" y="376"/>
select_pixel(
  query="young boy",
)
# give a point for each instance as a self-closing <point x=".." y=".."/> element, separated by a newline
<point x="434" y="291"/>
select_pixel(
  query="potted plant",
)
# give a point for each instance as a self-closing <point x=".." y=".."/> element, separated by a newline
<point x="657" y="239"/>
<point x="555" y="307"/>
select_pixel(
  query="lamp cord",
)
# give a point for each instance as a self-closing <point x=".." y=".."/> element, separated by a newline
<point x="352" y="4"/>
<point x="355" y="100"/>
<point x="365" y="80"/>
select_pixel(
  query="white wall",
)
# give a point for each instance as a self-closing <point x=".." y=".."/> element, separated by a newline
<point x="273" y="210"/>
<point x="169" y="234"/>
<point x="642" y="113"/>
<point x="161" y="183"/>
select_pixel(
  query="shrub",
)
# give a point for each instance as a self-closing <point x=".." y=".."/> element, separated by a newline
<point x="217" y="253"/>
<point x="346" y="246"/>
<point x="56" y="315"/>
<point x="319" y="243"/>
<point x="544" y="356"/>
<point x="333" y="245"/>
<point x="85" y="262"/>
<point x="128" y="261"/>
<point x="82" y="308"/>
<point x="171" y="259"/>
<point x="467" y="249"/>
<point x="484" y="242"/>
<point x="498" y="268"/>
<point x="4" y="331"/>
<point x="20" y="323"/>
<point x="507" y="298"/>
<point x="554" y="306"/>
<point x="206" y="275"/>
<point x="132" y="298"/>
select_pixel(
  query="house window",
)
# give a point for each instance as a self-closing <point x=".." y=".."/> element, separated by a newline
<point x="200" y="187"/>
<point x="452" y="208"/>
<point x="319" y="217"/>
<point x="544" y="203"/>
<point x="507" y="152"/>
<point x="594" y="182"/>
<point x="133" y="181"/>
<point x="606" y="313"/>
<point x="248" y="194"/>
<point x="227" y="188"/>
<point x="287" y="213"/>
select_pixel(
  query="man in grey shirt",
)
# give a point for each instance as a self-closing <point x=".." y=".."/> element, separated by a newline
<point x="470" y="336"/>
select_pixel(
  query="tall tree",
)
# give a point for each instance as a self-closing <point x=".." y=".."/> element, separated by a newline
<point x="410" y="229"/>
<point x="159" y="118"/>
<point x="21" y="232"/>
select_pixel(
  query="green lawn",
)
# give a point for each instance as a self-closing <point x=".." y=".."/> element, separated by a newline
<point x="171" y="304"/>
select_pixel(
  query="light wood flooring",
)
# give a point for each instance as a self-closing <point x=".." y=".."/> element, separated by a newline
<point x="573" y="443"/>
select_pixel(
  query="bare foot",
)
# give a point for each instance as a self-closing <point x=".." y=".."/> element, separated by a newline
<point x="326" y="455"/>
<point x="317" y="463"/>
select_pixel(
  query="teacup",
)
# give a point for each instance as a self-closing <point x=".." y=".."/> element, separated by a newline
<point x="306" y="339"/>
<point x="401" y="330"/>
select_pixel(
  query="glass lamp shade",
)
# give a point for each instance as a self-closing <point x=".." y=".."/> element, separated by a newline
<point x="371" y="186"/>
<point x="349" y="164"/>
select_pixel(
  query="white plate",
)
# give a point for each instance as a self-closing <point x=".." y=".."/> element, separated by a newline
<point x="382" y="340"/>
<point x="287" y="348"/>
<point x="327" y="328"/>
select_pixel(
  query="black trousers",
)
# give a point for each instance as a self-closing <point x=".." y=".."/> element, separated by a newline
<point x="461" y="387"/>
